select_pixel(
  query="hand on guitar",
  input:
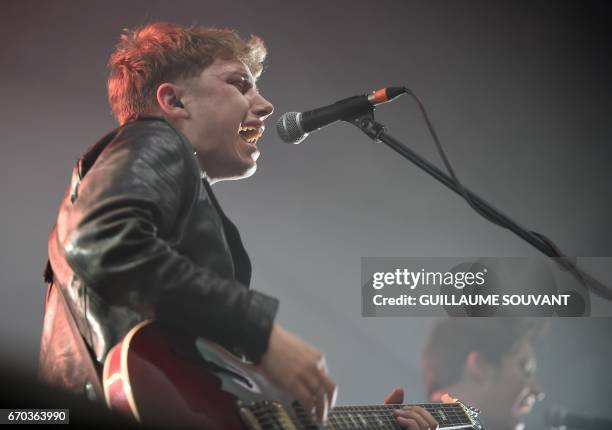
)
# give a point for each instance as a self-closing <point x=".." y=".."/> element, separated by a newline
<point x="410" y="417"/>
<point x="299" y="368"/>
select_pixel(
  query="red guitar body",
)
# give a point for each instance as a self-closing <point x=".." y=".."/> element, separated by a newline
<point x="146" y="377"/>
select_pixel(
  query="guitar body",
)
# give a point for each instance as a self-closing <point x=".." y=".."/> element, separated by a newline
<point x="195" y="384"/>
<point x="162" y="378"/>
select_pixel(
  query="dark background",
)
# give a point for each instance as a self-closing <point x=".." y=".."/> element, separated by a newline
<point x="519" y="93"/>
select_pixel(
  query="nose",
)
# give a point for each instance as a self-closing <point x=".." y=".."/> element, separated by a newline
<point x="262" y="108"/>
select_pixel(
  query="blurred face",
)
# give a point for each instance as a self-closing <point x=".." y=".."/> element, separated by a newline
<point x="226" y="118"/>
<point x="510" y="390"/>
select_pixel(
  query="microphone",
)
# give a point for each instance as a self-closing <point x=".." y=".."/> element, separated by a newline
<point x="558" y="416"/>
<point x="293" y="127"/>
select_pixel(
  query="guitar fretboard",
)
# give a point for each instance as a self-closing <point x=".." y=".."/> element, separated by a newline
<point x="381" y="417"/>
<point x="269" y="415"/>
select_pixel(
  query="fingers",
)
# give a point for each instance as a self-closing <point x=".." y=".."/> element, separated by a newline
<point x="433" y="424"/>
<point x="305" y="398"/>
<point x="319" y="399"/>
<point x="395" y="397"/>
<point x="327" y="392"/>
<point x="447" y="398"/>
<point x="331" y="391"/>
<point x="408" y="423"/>
<point x="321" y="388"/>
<point x="416" y="418"/>
<point x="300" y="369"/>
<point x="322" y="406"/>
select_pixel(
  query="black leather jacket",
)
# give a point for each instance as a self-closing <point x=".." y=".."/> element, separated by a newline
<point x="140" y="235"/>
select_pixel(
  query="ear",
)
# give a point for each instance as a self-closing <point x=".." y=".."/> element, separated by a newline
<point x="169" y="101"/>
<point x="477" y="368"/>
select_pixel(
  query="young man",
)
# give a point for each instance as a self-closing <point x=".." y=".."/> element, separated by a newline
<point x="488" y="364"/>
<point x="140" y="235"/>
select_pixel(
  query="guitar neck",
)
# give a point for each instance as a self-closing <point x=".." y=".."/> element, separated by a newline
<point x="449" y="416"/>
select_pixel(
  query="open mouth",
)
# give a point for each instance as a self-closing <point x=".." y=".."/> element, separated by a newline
<point x="525" y="404"/>
<point x="250" y="133"/>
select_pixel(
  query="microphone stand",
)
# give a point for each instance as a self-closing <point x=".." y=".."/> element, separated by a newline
<point x="378" y="132"/>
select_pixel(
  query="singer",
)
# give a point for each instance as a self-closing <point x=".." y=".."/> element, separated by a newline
<point x="140" y="235"/>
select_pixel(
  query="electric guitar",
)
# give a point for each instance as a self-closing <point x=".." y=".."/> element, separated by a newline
<point x="162" y="378"/>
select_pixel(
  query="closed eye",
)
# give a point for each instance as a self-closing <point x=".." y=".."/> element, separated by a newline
<point x="242" y="84"/>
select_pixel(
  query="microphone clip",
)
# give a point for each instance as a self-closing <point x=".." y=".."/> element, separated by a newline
<point x="369" y="125"/>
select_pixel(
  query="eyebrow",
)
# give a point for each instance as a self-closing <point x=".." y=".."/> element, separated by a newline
<point x="251" y="83"/>
<point x="242" y="74"/>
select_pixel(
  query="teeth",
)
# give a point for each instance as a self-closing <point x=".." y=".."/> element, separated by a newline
<point x="248" y="128"/>
<point x="246" y="131"/>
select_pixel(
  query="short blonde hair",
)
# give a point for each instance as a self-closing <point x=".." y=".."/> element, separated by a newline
<point x="163" y="52"/>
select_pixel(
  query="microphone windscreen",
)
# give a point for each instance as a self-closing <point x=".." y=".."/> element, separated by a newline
<point x="289" y="129"/>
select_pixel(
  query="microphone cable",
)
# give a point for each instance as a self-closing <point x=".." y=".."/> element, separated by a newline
<point x="552" y="250"/>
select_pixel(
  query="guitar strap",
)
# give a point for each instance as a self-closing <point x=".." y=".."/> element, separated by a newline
<point x="93" y="388"/>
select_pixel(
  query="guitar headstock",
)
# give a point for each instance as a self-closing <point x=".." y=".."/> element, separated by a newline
<point x="474" y="416"/>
